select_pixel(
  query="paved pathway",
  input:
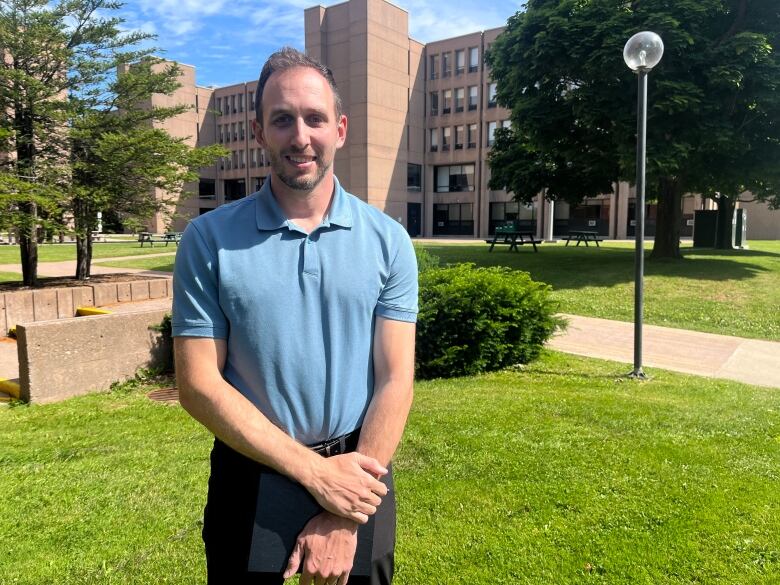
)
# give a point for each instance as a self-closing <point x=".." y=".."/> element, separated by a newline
<point x="719" y="356"/>
<point x="68" y="267"/>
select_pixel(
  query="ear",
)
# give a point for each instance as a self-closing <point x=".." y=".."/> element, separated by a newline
<point x="341" y="130"/>
<point x="258" y="133"/>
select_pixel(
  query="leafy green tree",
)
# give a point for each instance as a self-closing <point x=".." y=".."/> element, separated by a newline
<point x="714" y="104"/>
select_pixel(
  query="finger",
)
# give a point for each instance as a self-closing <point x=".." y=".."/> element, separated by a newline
<point x="358" y="517"/>
<point x="294" y="562"/>
<point x="306" y="578"/>
<point x="377" y="487"/>
<point x="371" y="465"/>
<point x="343" y="579"/>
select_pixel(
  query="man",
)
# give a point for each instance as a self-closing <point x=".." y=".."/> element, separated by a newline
<point x="294" y="312"/>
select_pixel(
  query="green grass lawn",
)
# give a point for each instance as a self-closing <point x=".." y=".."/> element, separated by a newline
<point x="162" y="263"/>
<point x="560" y="473"/>
<point x="729" y="292"/>
<point x="733" y="292"/>
<point x="58" y="252"/>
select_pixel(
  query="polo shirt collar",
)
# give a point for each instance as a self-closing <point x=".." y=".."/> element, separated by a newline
<point x="269" y="215"/>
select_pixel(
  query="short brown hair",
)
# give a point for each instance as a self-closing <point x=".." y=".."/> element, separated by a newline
<point x="289" y="58"/>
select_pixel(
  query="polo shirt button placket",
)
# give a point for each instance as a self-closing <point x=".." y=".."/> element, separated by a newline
<point x="311" y="259"/>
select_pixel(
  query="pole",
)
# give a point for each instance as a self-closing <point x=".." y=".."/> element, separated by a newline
<point x="639" y="263"/>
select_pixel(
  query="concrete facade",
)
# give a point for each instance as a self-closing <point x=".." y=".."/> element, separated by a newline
<point x="69" y="357"/>
<point x="421" y="120"/>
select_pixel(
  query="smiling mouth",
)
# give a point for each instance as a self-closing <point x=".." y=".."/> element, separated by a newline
<point x="300" y="159"/>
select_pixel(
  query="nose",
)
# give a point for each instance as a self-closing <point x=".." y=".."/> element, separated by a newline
<point x="300" y="137"/>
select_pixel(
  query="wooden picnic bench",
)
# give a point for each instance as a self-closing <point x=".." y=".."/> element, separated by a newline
<point x="513" y="237"/>
<point x="583" y="236"/>
<point x="150" y="238"/>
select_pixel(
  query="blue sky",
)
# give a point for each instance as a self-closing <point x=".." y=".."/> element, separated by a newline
<point x="228" y="40"/>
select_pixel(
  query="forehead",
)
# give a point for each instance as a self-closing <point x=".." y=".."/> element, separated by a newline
<point x="299" y="87"/>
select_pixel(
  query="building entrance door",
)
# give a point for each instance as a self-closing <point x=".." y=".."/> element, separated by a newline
<point x="413" y="219"/>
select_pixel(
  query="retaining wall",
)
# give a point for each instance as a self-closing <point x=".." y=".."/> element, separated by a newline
<point x="30" y="306"/>
<point x="69" y="357"/>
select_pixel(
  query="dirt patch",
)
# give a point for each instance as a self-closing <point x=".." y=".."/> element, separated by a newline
<point x="64" y="282"/>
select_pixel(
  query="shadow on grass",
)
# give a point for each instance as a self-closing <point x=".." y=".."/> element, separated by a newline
<point x="577" y="267"/>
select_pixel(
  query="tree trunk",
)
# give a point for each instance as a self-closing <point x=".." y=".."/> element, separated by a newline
<point x="668" y="220"/>
<point x="83" y="240"/>
<point x="28" y="247"/>
<point x="724" y="235"/>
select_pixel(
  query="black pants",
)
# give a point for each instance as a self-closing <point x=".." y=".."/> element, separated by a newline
<point x="229" y="521"/>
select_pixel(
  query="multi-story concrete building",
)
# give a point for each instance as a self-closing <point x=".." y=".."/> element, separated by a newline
<point x="421" y="122"/>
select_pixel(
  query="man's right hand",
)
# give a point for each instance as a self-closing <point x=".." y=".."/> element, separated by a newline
<point x="347" y="485"/>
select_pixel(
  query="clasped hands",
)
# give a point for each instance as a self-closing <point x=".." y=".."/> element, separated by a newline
<point x="348" y="488"/>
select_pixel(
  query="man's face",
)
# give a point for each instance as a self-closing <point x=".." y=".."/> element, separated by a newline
<point x="301" y="131"/>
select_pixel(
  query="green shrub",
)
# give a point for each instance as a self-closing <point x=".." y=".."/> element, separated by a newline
<point x="475" y="320"/>
<point x="425" y="260"/>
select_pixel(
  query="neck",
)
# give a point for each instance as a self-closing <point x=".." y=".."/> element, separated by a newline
<point x="305" y="208"/>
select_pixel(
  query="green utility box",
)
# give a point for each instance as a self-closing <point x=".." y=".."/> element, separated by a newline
<point x="705" y="228"/>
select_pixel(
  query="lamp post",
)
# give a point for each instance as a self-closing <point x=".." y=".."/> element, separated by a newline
<point x="642" y="52"/>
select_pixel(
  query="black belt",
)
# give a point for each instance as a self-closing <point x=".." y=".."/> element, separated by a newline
<point x="338" y="445"/>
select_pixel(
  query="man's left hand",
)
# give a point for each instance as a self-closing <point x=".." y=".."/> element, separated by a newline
<point x="326" y="546"/>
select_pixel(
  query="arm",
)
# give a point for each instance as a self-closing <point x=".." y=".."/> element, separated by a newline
<point x="328" y="543"/>
<point x="343" y="484"/>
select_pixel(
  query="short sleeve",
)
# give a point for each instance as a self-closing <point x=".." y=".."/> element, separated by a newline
<point x="196" y="310"/>
<point x="398" y="299"/>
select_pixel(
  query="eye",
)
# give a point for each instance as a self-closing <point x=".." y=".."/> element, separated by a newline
<point x="281" y="120"/>
<point x="316" y="120"/>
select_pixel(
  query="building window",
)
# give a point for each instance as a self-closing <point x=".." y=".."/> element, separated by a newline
<point x="473" y="97"/>
<point x="434" y="95"/>
<point x="241" y="102"/>
<point x="413" y="177"/>
<point x="472" y="138"/>
<point x="460" y="98"/>
<point x="219" y="106"/>
<point x="523" y="217"/>
<point x="235" y="189"/>
<point x="453" y="219"/>
<point x="446" y="139"/>
<point x="446" y="65"/>
<point x="447" y="99"/>
<point x="459" y="132"/>
<point x="454" y="178"/>
<point x="221" y="135"/>
<point x="473" y="59"/>
<point x="252" y="158"/>
<point x="434" y="66"/>
<point x="232" y="104"/>
<point x="491" y="133"/>
<point x="460" y="61"/>
<point x="241" y="159"/>
<point x="434" y="139"/>
<point x="250" y="105"/>
<point x="207" y="189"/>
<point x="241" y="130"/>
<point x="233" y="131"/>
<point x="491" y="95"/>
<point x="507" y="124"/>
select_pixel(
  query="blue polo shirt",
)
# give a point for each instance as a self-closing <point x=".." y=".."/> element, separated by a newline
<point x="297" y="309"/>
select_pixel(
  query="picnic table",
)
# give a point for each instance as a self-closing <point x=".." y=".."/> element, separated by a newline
<point x="513" y="237"/>
<point x="583" y="236"/>
<point x="168" y="237"/>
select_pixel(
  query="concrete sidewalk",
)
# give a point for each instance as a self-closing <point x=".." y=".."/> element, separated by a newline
<point x="67" y="268"/>
<point x="752" y="361"/>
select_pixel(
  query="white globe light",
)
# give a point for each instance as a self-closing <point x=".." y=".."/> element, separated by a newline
<point x="643" y="51"/>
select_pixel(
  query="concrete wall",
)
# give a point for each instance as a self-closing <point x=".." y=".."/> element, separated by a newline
<point x="59" y="303"/>
<point x="69" y="357"/>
